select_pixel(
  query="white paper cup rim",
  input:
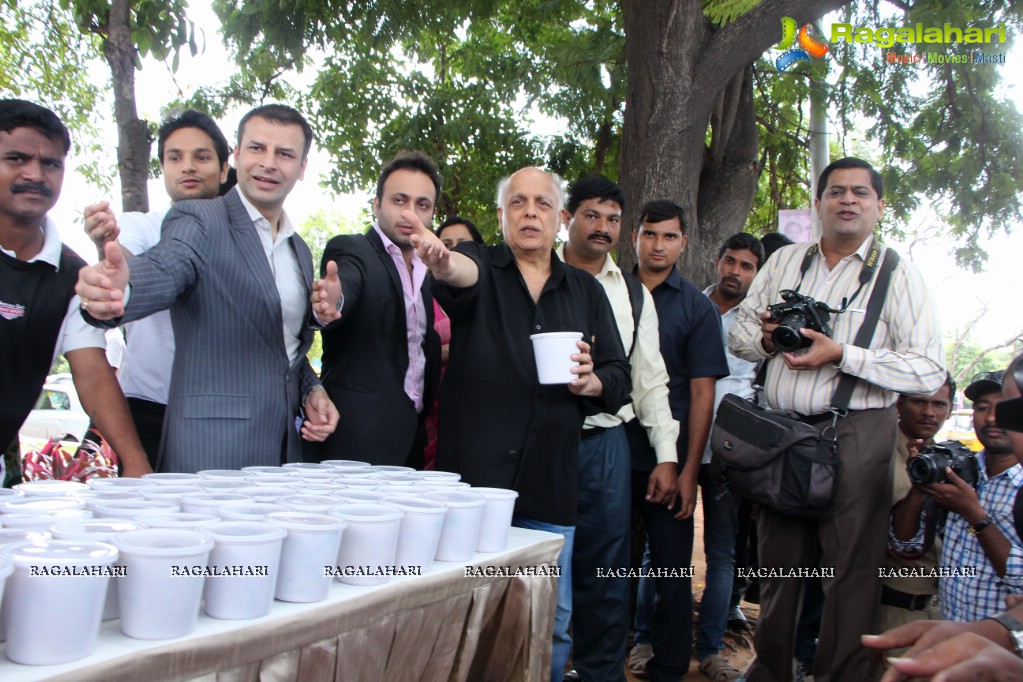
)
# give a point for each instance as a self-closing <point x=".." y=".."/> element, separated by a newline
<point x="244" y="532"/>
<point x="417" y="505"/>
<point x="61" y="552"/>
<point x="495" y="493"/>
<point x="456" y="498"/>
<point x="305" y="521"/>
<point x="93" y="529"/>
<point x="163" y="542"/>
<point x="367" y="513"/>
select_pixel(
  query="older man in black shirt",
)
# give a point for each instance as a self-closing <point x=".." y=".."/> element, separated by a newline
<point x="498" y="425"/>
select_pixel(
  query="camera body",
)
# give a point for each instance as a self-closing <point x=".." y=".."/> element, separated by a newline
<point x="929" y="466"/>
<point x="797" y="312"/>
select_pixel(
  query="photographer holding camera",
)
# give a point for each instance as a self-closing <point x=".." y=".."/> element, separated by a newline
<point x="909" y="591"/>
<point x="979" y="534"/>
<point x="903" y="356"/>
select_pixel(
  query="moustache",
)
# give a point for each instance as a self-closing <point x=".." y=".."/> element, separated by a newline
<point x="600" y="236"/>
<point x="38" y="187"/>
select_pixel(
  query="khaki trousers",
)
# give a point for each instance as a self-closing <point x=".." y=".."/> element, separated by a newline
<point x="852" y="540"/>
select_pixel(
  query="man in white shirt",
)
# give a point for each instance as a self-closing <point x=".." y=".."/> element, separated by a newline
<point x="236" y="278"/>
<point x="601" y="604"/>
<point x="193" y="153"/>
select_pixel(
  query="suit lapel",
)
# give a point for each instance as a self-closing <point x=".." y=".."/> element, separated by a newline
<point x="252" y="258"/>
<point x="391" y="271"/>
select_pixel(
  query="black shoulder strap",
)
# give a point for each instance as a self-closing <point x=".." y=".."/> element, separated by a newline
<point x="635" y="288"/>
<point x="840" y="400"/>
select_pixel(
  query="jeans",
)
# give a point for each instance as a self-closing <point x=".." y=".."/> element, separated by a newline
<point x="600" y="605"/>
<point x="720" y="523"/>
<point x="562" y="643"/>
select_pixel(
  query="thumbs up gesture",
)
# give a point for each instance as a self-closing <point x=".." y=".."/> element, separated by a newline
<point x="101" y="286"/>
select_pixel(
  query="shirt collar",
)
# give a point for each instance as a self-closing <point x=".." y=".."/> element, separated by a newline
<point x="285" y="228"/>
<point x="502" y="257"/>
<point x="609" y="268"/>
<point x="861" y="251"/>
<point x="1013" y="473"/>
<point x="390" y="247"/>
<point x="50" y="253"/>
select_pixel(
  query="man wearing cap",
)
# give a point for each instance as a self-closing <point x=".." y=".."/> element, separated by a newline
<point x="982" y="555"/>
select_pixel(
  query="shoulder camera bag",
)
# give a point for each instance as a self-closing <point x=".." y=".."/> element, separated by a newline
<point x="782" y="463"/>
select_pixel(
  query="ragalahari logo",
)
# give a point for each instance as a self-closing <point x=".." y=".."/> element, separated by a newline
<point x="808" y="46"/>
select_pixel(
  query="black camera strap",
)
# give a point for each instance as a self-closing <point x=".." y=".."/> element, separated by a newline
<point x="866" y="272"/>
<point x="840" y="400"/>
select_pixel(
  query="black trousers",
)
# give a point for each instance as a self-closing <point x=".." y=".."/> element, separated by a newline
<point x="671" y="548"/>
<point x="148" y="418"/>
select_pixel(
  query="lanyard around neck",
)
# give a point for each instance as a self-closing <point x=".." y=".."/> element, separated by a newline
<point x="866" y="272"/>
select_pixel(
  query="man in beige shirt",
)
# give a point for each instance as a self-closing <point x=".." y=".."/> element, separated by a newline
<point x="905" y="598"/>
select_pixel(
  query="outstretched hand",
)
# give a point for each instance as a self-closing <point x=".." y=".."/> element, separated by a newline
<point x="101" y="286"/>
<point x="428" y="246"/>
<point x="325" y="295"/>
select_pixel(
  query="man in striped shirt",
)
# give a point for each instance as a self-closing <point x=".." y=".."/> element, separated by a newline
<point x="904" y="356"/>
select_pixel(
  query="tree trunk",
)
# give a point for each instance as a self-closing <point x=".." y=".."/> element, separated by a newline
<point x="683" y="75"/>
<point x="133" y="142"/>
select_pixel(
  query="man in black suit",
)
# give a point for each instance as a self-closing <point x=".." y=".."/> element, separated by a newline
<point x="381" y="355"/>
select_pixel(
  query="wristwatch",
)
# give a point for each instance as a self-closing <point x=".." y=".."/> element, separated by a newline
<point x="1015" y="629"/>
<point x="975" y="528"/>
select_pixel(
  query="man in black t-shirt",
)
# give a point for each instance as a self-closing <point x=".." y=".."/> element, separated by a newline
<point x="38" y="309"/>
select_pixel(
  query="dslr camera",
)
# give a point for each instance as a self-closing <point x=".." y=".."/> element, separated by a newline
<point x="929" y="466"/>
<point x="798" y="312"/>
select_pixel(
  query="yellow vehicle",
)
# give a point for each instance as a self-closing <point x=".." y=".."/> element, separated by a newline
<point x="960" y="427"/>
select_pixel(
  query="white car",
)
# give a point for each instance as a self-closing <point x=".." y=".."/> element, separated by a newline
<point x="57" y="414"/>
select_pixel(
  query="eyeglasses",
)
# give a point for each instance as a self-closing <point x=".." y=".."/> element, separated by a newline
<point x="996" y="377"/>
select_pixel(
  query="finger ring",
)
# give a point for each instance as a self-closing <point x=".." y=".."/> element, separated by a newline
<point x="85" y="306"/>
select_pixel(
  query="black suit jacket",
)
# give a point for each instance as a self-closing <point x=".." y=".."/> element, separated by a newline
<point x="365" y="355"/>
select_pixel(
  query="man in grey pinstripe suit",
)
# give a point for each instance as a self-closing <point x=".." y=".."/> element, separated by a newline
<point x="237" y="281"/>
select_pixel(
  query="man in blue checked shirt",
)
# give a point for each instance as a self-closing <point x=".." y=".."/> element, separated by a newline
<point x="979" y="533"/>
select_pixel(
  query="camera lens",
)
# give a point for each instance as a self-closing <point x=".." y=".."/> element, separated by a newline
<point x="928" y="468"/>
<point x="786" y="336"/>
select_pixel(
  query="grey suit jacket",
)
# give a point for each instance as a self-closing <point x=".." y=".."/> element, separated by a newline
<point x="233" y="394"/>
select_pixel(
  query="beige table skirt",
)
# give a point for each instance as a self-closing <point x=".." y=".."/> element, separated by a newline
<point x="443" y="625"/>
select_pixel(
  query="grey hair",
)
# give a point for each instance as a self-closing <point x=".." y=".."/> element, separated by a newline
<point x="559" y="188"/>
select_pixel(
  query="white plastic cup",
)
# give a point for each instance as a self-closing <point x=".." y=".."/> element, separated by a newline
<point x="98" y="530"/>
<point x="160" y="590"/>
<point x="359" y="496"/>
<point x="260" y="471"/>
<point x="553" y="352"/>
<point x="42" y="521"/>
<point x="420" y="530"/>
<point x="444" y="484"/>
<point x="252" y="547"/>
<point x="38" y="505"/>
<point x="210" y="502"/>
<point x="93" y="496"/>
<point x="310" y="547"/>
<point x="53" y="619"/>
<point x="370" y="541"/>
<point x="130" y="509"/>
<point x="171" y="478"/>
<point x="310" y="504"/>
<point x="272" y="481"/>
<point x="326" y="476"/>
<point x="169" y="492"/>
<point x="345" y="464"/>
<point x="49" y="488"/>
<point x="306" y="467"/>
<point x="250" y="510"/>
<point x="461" y="524"/>
<point x="362" y="482"/>
<point x="496" y="519"/>
<point x="392" y="469"/>
<point x="118" y="483"/>
<point x="434" y="475"/>
<point x="403" y="490"/>
<point x="8" y="493"/>
<point x="13" y="536"/>
<point x="180" y="520"/>
<point x="222" y="485"/>
<point x="396" y="477"/>
<point x="265" y="493"/>
<point x="230" y="474"/>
